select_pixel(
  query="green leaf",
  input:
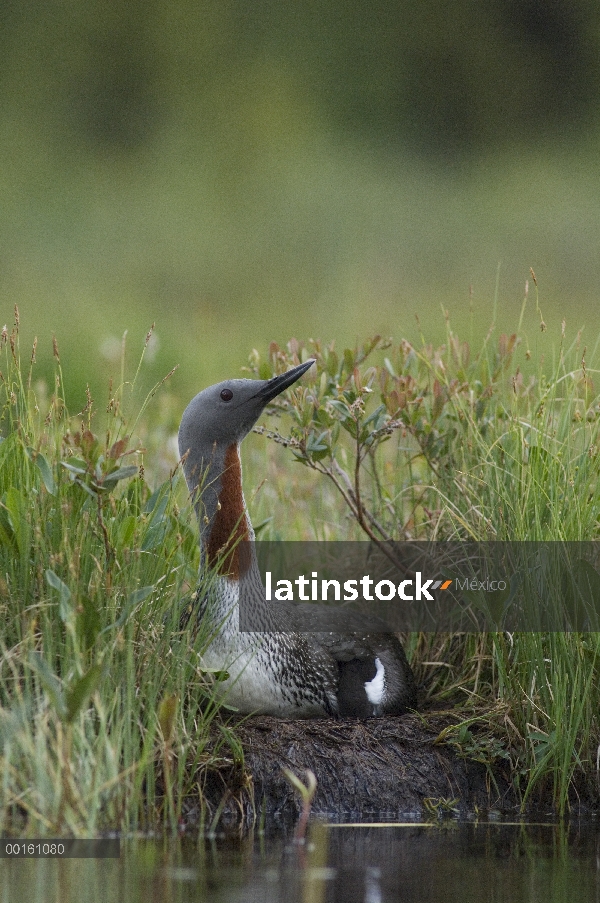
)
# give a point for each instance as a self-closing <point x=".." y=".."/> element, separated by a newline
<point x="351" y="426"/>
<point x="155" y="536"/>
<point x="121" y="473"/>
<point x="323" y="417"/>
<point x="80" y="691"/>
<point x="331" y="365"/>
<point x="342" y="408"/>
<point x="316" y="443"/>
<point x="65" y="609"/>
<point x="90" y="491"/>
<point x="127" y="529"/>
<point x="349" y="360"/>
<point x="50" y="683"/>
<point x="217" y="673"/>
<point x="375" y="416"/>
<point x="157" y="503"/>
<point x="16" y="505"/>
<point x="44" y="468"/>
<point x="46" y="473"/>
<point x="75" y="466"/>
<point x="134" y="494"/>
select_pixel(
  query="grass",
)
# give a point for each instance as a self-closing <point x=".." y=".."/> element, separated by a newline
<point x="483" y="444"/>
<point x="98" y="700"/>
<point x="312" y="237"/>
<point x="106" y="718"/>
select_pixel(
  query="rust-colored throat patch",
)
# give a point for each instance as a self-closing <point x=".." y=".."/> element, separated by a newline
<point x="226" y="547"/>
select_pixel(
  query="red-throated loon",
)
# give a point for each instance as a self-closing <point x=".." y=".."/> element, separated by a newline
<point x="306" y="661"/>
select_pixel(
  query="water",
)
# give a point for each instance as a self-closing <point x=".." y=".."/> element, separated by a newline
<point x="493" y="862"/>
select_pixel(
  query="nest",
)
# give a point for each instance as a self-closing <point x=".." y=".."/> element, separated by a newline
<point x="380" y="769"/>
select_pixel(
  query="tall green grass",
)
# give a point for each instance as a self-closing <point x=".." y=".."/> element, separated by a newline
<point x="530" y="471"/>
<point x="104" y="711"/>
<point x="482" y="443"/>
<point x="107" y="719"/>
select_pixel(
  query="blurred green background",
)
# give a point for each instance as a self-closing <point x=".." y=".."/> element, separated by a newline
<point x="242" y="171"/>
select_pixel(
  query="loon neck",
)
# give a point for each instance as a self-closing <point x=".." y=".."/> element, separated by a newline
<point x="225" y="527"/>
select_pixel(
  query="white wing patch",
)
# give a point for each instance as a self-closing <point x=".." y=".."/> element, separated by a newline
<point x="375" y="688"/>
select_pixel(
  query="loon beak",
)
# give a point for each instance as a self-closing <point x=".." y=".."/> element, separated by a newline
<point x="275" y="386"/>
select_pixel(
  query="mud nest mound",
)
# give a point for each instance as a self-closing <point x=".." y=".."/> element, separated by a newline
<point x="383" y="768"/>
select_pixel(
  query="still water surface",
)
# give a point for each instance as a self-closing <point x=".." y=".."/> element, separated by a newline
<point x="458" y="861"/>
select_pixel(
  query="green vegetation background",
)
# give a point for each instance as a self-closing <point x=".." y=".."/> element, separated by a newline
<point x="107" y="714"/>
<point x="241" y="172"/>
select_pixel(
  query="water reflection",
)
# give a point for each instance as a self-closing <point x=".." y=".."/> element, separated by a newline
<point x="493" y="862"/>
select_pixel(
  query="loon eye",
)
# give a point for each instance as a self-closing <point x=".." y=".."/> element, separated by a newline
<point x="226" y="394"/>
